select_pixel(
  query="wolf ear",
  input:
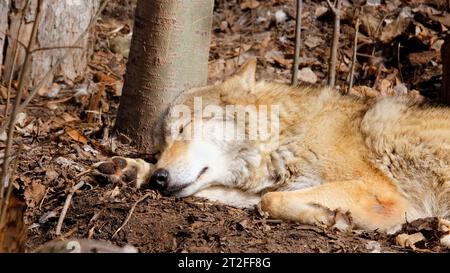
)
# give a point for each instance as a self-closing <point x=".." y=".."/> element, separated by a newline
<point x="245" y="76"/>
<point x="240" y="88"/>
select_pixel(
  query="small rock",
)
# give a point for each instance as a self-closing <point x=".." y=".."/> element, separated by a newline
<point x="320" y="10"/>
<point x="54" y="90"/>
<point x="65" y="162"/>
<point x="88" y="148"/>
<point x="437" y="45"/>
<point x="373" y="247"/>
<point x="373" y="2"/>
<point x="280" y="16"/>
<point x="48" y="215"/>
<point x="81" y="90"/>
<point x="51" y="174"/>
<point x="121" y="45"/>
<point x="313" y="41"/>
<point x="3" y="136"/>
<point x="20" y="119"/>
<point x="307" y="75"/>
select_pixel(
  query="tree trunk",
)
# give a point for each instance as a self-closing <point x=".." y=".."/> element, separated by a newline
<point x="63" y="22"/>
<point x="445" y="90"/>
<point x="3" y="27"/>
<point x="169" y="53"/>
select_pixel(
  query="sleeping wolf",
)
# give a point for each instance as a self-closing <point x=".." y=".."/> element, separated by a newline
<point x="331" y="160"/>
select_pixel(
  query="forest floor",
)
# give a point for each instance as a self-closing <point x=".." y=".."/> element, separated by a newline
<point x="67" y="128"/>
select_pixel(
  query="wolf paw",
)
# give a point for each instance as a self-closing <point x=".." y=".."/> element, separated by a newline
<point x="334" y="219"/>
<point x="342" y="220"/>
<point x="122" y="170"/>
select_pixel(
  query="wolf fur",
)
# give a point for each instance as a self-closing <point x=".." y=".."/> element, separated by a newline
<point x="338" y="160"/>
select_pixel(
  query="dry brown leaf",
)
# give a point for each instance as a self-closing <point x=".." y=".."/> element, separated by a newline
<point x="284" y="62"/>
<point x="409" y="240"/>
<point x="313" y="41"/>
<point x="68" y="117"/>
<point x="320" y="10"/>
<point x="77" y="136"/>
<point x="34" y="194"/>
<point x="364" y="91"/>
<point x="422" y="58"/>
<point x="3" y="92"/>
<point x="51" y="91"/>
<point x="265" y="42"/>
<point x="103" y="78"/>
<point x="249" y="4"/>
<point x="396" y="27"/>
<point x="370" y="22"/>
<point x="307" y="75"/>
<point x="385" y="87"/>
<point x="51" y="174"/>
<point x="441" y="17"/>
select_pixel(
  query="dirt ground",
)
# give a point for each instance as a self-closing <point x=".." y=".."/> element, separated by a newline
<point x="63" y="135"/>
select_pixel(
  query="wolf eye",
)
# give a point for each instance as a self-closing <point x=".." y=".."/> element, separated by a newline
<point x="181" y="130"/>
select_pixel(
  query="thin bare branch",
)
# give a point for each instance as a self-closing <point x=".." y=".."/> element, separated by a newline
<point x="55" y="47"/>
<point x="131" y="213"/>
<point x="355" y="49"/>
<point x="399" y="64"/>
<point x="16" y="55"/>
<point x="335" y="44"/>
<point x="331" y="6"/>
<point x="66" y="206"/>
<point x="298" y="30"/>
<point x="11" y="73"/>
<point x="14" y="39"/>
<point x="22" y="80"/>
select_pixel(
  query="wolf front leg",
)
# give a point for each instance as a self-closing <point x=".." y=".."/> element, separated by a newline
<point x="122" y="169"/>
<point x="341" y="204"/>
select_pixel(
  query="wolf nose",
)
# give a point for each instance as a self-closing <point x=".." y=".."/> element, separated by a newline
<point x="160" y="179"/>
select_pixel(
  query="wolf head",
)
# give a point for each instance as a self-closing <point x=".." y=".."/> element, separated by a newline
<point x="202" y="136"/>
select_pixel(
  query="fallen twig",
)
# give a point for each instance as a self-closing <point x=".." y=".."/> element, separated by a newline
<point x="148" y="194"/>
<point x="336" y="9"/>
<point x="445" y="54"/>
<point x="355" y="49"/>
<point x="298" y="30"/>
<point x="66" y="206"/>
<point x="399" y="64"/>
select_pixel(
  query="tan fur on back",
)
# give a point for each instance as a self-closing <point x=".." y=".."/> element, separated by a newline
<point x="388" y="142"/>
<point x="384" y="160"/>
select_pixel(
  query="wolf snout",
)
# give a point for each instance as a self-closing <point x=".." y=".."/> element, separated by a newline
<point x="160" y="179"/>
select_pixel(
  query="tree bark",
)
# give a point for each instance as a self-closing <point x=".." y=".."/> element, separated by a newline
<point x="445" y="52"/>
<point x="169" y="53"/>
<point x="4" y="4"/>
<point x="63" y="22"/>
